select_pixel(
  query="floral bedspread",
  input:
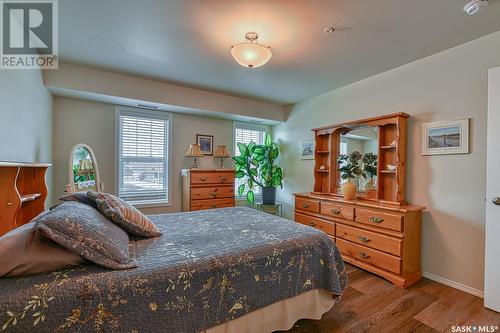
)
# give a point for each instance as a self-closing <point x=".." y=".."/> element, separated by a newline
<point x="207" y="268"/>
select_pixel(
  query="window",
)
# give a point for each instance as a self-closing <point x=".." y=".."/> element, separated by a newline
<point x="246" y="133"/>
<point x="343" y="146"/>
<point x="143" y="156"/>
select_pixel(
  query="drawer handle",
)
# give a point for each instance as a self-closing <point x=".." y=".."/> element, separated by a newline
<point x="312" y="224"/>
<point x="364" y="239"/>
<point x="203" y="178"/>
<point x="9" y="204"/>
<point x="335" y="211"/>
<point x="223" y="178"/>
<point x="376" y="219"/>
<point x="214" y="194"/>
<point x="213" y="205"/>
<point x="305" y="206"/>
<point x="363" y="255"/>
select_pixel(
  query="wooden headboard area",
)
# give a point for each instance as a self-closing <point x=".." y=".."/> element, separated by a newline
<point x="23" y="191"/>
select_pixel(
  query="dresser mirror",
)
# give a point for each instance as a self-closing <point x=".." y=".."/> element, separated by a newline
<point x="83" y="172"/>
<point x="362" y="139"/>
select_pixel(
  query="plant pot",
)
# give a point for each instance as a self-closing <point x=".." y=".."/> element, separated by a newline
<point x="348" y="190"/>
<point x="269" y="195"/>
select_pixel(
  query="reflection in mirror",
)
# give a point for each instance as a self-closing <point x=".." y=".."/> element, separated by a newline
<point x="362" y="139"/>
<point x="83" y="171"/>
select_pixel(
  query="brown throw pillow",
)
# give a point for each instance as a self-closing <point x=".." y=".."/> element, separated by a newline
<point x="125" y="215"/>
<point x="79" y="197"/>
<point x="19" y="257"/>
<point x="84" y="230"/>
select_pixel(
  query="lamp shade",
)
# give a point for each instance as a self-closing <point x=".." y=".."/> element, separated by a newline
<point x="251" y="54"/>
<point x="194" y="151"/>
<point x="221" y="152"/>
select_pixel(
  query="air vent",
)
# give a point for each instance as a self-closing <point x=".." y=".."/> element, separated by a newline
<point x="147" y="106"/>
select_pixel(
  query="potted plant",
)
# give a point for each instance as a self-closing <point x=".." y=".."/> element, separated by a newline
<point x="256" y="165"/>
<point x="369" y="169"/>
<point x="349" y="169"/>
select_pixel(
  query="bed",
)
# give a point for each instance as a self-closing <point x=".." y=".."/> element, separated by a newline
<point x="210" y="271"/>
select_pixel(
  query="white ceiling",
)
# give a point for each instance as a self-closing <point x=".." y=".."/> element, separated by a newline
<point x="188" y="41"/>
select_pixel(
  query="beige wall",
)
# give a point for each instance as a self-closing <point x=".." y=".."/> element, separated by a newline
<point x="449" y="85"/>
<point x="93" y="123"/>
<point x="104" y="86"/>
<point x="25" y="118"/>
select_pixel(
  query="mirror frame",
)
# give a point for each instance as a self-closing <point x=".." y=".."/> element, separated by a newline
<point x="71" y="187"/>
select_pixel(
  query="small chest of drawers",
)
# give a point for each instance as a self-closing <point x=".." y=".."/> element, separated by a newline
<point x="207" y="189"/>
<point x="382" y="239"/>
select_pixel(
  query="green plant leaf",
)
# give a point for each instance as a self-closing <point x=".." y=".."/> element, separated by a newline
<point x="268" y="141"/>
<point x="259" y="150"/>
<point x="240" y="160"/>
<point x="251" y="148"/>
<point x="243" y="149"/>
<point x="239" y="174"/>
<point x="250" y="197"/>
<point x="241" y="189"/>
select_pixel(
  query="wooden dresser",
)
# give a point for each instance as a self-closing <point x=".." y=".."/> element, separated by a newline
<point x="382" y="239"/>
<point x="377" y="230"/>
<point x="207" y="189"/>
<point x="23" y="191"/>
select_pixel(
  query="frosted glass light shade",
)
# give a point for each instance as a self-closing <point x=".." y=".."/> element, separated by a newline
<point x="251" y="54"/>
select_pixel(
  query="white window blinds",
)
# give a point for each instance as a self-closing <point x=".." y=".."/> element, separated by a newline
<point x="244" y="133"/>
<point x="143" y="157"/>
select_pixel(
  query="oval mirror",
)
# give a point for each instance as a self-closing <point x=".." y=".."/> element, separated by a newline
<point x="83" y="172"/>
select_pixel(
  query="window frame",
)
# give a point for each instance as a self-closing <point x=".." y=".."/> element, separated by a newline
<point x="247" y="126"/>
<point x="154" y="114"/>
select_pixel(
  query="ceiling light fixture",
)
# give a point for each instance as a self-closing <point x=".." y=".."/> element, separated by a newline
<point x="251" y="54"/>
<point x="474" y="6"/>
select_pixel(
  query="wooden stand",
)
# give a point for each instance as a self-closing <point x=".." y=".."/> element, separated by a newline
<point x="377" y="231"/>
<point x="23" y="191"/>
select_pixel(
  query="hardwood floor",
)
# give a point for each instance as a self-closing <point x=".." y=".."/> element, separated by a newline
<point x="371" y="304"/>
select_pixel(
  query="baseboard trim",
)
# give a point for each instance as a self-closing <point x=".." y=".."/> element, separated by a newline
<point x="453" y="284"/>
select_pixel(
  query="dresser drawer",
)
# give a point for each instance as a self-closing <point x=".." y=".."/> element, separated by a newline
<point x="371" y="239"/>
<point x="212" y="192"/>
<point x="212" y="177"/>
<point x="337" y="210"/>
<point x="209" y="204"/>
<point x="379" y="219"/>
<point x="370" y="256"/>
<point x="325" y="226"/>
<point x="306" y="204"/>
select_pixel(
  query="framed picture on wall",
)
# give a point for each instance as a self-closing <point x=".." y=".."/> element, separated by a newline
<point x="206" y="143"/>
<point x="445" y="137"/>
<point x="307" y="149"/>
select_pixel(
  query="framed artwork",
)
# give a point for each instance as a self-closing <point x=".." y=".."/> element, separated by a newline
<point x="446" y="137"/>
<point x="206" y="143"/>
<point x="307" y="149"/>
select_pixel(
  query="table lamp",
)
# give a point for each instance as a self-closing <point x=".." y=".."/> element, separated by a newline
<point x="222" y="153"/>
<point x="194" y="151"/>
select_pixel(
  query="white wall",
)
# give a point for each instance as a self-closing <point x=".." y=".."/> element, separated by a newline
<point x="25" y="118"/>
<point x="93" y="123"/>
<point x="448" y="85"/>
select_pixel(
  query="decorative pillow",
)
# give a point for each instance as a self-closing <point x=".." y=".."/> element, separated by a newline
<point x="79" y="197"/>
<point x="125" y="215"/>
<point x="20" y="256"/>
<point x="85" y="231"/>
